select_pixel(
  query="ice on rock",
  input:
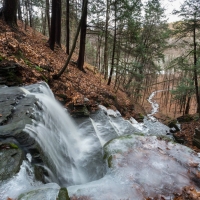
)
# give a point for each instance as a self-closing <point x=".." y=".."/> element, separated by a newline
<point x="141" y="167"/>
<point x="24" y="182"/>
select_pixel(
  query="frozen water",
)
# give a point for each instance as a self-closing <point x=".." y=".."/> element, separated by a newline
<point x="142" y="167"/>
<point x="23" y="182"/>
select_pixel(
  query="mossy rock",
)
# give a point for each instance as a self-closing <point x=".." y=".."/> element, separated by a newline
<point x="10" y="161"/>
<point x="109" y="161"/>
<point x="185" y="118"/>
<point x="63" y="194"/>
<point x="165" y="138"/>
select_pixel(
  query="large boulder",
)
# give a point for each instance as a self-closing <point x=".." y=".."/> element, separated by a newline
<point x="16" y="112"/>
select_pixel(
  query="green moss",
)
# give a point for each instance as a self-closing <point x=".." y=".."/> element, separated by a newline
<point x="141" y="115"/>
<point x="19" y="55"/>
<point x="13" y="146"/>
<point x="165" y="138"/>
<point x="1" y="58"/>
<point x="38" y="68"/>
<point x="63" y="194"/>
<point x="124" y="137"/>
<point x="139" y="134"/>
<point x="109" y="161"/>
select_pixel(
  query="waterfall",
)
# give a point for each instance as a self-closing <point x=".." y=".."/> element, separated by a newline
<point x="58" y="136"/>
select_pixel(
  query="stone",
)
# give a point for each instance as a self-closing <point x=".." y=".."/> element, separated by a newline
<point x="63" y="194"/>
<point x="10" y="73"/>
<point x="10" y="161"/>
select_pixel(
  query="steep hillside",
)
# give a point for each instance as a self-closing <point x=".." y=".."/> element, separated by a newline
<point x="29" y="49"/>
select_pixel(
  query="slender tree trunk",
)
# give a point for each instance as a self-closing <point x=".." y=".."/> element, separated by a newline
<point x="30" y="13"/>
<point x="44" y="23"/>
<point x="56" y="76"/>
<point x="47" y="15"/>
<point x="67" y="27"/>
<point x="114" y="46"/>
<point x="187" y="106"/>
<point x="26" y="15"/>
<point x="19" y="11"/>
<point x="58" y="23"/>
<point x="80" y="61"/>
<point x="195" y="67"/>
<point x="52" y="38"/>
<point x="106" y="42"/>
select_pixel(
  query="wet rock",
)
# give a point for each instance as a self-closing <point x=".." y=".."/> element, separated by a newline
<point x="179" y="139"/>
<point x="196" y="138"/>
<point x="10" y="73"/>
<point x="139" y="117"/>
<point x="11" y="159"/>
<point x="80" y="111"/>
<point x="173" y="126"/>
<point x="63" y="194"/>
<point x="18" y="110"/>
<point x="185" y="118"/>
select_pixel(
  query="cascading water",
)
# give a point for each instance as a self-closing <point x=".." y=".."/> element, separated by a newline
<point x="66" y="148"/>
<point x="154" y="105"/>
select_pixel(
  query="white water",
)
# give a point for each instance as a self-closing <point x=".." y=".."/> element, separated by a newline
<point x="154" y="104"/>
<point x="24" y="182"/>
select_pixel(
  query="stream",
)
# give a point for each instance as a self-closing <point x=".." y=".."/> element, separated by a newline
<point x="102" y="156"/>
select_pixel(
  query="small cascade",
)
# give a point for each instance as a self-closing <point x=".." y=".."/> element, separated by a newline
<point x="154" y="105"/>
<point x="64" y="146"/>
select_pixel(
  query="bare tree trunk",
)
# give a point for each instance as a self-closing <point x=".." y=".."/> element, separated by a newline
<point x="47" y="15"/>
<point x="195" y="67"/>
<point x="9" y="12"/>
<point x="44" y="23"/>
<point x="67" y="27"/>
<point x="52" y="38"/>
<point x="58" y="23"/>
<point x="106" y="42"/>
<point x="30" y="13"/>
<point x="114" y="46"/>
<point x="56" y="76"/>
<point x="80" y="61"/>
<point x="19" y="11"/>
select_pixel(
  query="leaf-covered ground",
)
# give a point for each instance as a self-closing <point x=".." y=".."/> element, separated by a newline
<point x="30" y="50"/>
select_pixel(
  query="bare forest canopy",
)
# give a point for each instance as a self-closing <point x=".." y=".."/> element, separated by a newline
<point x="129" y="42"/>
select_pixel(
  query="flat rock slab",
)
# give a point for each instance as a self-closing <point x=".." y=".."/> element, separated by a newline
<point x="16" y="110"/>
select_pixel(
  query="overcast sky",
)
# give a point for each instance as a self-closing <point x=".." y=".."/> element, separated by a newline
<point x="170" y="5"/>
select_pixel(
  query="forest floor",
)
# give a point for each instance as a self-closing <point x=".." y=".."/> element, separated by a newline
<point x="37" y="62"/>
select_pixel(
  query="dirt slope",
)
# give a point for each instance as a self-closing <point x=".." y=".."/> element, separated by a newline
<point x="30" y="50"/>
